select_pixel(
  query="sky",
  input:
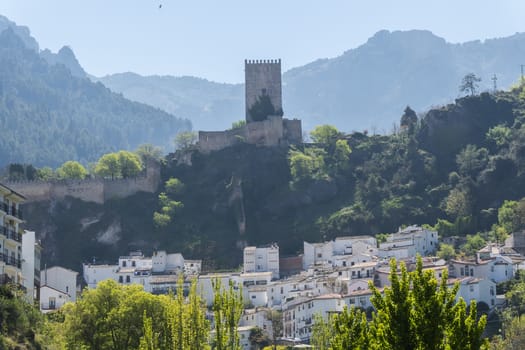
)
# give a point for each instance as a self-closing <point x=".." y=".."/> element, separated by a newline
<point x="211" y="38"/>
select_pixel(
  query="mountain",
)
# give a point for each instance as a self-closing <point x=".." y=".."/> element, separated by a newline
<point x="64" y="56"/>
<point x="209" y="105"/>
<point x="365" y="88"/>
<point x="49" y="115"/>
<point x="21" y="31"/>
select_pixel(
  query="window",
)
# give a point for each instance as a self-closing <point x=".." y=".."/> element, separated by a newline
<point x="462" y="271"/>
<point x="319" y="255"/>
<point x="471" y="288"/>
<point x="67" y="289"/>
<point x="351" y="301"/>
<point x="128" y="279"/>
<point x="133" y="263"/>
<point x="123" y="263"/>
<point x="253" y="297"/>
<point x="120" y="279"/>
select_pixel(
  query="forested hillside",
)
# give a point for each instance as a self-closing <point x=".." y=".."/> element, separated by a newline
<point x="452" y="169"/>
<point x="48" y="116"/>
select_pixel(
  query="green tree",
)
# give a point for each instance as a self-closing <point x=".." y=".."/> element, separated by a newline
<point x="72" y="170"/>
<point x="307" y="165"/>
<point x="238" y="124"/>
<point x="227" y="310"/>
<point x="419" y="312"/>
<point x="276" y="319"/>
<point x="499" y="134"/>
<point x="147" y="152"/>
<point x="258" y="339"/>
<point x="469" y="84"/>
<point x="108" y="166"/>
<point x="474" y="243"/>
<point x="351" y="330"/>
<point x="471" y="160"/>
<point x="325" y="134"/>
<point x="263" y="108"/>
<point x="45" y="174"/>
<point x="149" y="341"/>
<point x="511" y="215"/>
<point x="409" y="120"/>
<point x="341" y="154"/>
<point x="322" y="333"/>
<point x="185" y="139"/>
<point x="446" y="251"/>
<point x="174" y="186"/>
<point x="129" y="164"/>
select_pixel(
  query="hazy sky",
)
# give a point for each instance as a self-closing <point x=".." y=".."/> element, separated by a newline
<point x="211" y="38"/>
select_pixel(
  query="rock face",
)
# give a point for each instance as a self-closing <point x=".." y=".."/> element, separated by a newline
<point x="66" y="57"/>
<point x="21" y="31"/>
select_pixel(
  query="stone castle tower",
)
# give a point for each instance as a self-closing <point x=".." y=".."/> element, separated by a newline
<point x="262" y="79"/>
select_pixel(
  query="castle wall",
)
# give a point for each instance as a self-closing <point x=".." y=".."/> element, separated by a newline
<point x="217" y="140"/>
<point x="293" y="131"/>
<point x="91" y="190"/>
<point x="262" y="77"/>
<point x="265" y="133"/>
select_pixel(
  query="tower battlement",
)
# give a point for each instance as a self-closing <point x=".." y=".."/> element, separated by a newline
<point x="277" y="61"/>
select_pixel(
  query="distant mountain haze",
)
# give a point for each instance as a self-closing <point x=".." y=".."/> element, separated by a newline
<point x="365" y="88"/>
<point x="49" y="113"/>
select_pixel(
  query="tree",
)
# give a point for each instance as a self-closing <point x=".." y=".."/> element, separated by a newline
<point x="129" y="163"/>
<point x="276" y="319"/>
<point x="446" y="251"/>
<point x="307" y="165"/>
<point x="108" y="166"/>
<point x="257" y="338"/>
<point x="45" y="174"/>
<point x="322" y="333"/>
<point x="147" y="152"/>
<point x="471" y="160"/>
<point x="351" y="330"/>
<point x="511" y="215"/>
<point x="263" y="108"/>
<point x="72" y="170"/>
<point x="341" y="154"/>
<point x="474" y="243"/>
<point x="499" y="134"/>
<point x="174" y="186"/>
<point x="325" y="134"/>
<point x="419" y="312"/>
<point x="238" y="124"/>
<point x="185" y="139"/>
<point x="409" y="120"/>
<point x="469" y="84"/>
<point x="227" y="310"/>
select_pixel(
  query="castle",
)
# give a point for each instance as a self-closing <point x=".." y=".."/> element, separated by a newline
<point x="265" y="125"/>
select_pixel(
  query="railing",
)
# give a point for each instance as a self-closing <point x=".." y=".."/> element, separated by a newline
<point x="11" y="260"/>
<point x="12" y="210"/>
<point x="10" y="233"/>
<point x="48" y="306"/>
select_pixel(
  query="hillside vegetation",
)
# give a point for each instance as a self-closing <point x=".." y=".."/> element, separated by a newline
<point x="49" y="116"/>
<point x="454" y="168"/>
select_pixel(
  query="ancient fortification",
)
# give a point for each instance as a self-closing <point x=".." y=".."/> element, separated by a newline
<point x="265" y="125"/>
<point x="92" y="190"/>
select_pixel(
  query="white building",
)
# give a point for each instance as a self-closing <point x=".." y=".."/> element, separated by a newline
<point x="58" y="286"/>
<point x="498" y="268"/>
<point x="481" y="290"/>
<point x="10" y="236"/>
<point x="262" y="259"/>
<point x="31" y="257"/>
<point x="342" y="251"/>
<point x="408" y="242"/>
<point x="298" y="314"/>
<point x="257" y="317"/>
<point x="94" y="274"/>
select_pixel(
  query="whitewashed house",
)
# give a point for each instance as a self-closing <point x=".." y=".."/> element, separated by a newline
<point x="262" y="259"/>
<point x="408" y="242"/>
<point x="298" y="314"/>
<point x="58" y="286"/>
<point x="342" y="251"/>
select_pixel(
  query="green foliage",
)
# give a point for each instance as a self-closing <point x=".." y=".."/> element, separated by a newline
<point x="120" y="164"/>
<point x="471" y="160"/>
<point x="511" y="215"/>
<point x="238" y="124"/>
<point x="446" y="251"/>
<point x="469" y="84"/>
<point x="263" y="108"/>
<point x="325" y="134"/>
<point x="108" y="166"/>
<point x="185" y="139"/>
<point x="71" y="170"/>
<point x="419" y="312"/>
<point x="474" y="243"/>
<point x="499" y="135"/>
<point x="45" y="174"/>
<point x="307" y="165"/>
<point x="129" y="164"/>
<point x="227" y="310"/>
<point x="115" y="316"/>
<point x="174" y="186"/>
<point x="147" y="151"/>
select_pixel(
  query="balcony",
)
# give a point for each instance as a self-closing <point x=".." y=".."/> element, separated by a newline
<point x="10" y="233"/>
<point x="11" y="260"/>
<point x="12" y="210"/>
<point x="48" y="306"/>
